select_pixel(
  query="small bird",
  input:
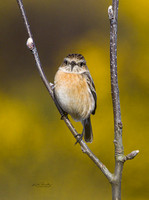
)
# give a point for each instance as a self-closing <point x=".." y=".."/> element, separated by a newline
<point x="74" y="91"/>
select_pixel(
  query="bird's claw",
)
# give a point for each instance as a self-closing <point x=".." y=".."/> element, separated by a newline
<point x="78" y="138"/>
<point x="64" y="114"/>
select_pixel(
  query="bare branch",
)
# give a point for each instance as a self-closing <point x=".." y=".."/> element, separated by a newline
<point x="119" y="149"/>
<point x="31" y="45"/>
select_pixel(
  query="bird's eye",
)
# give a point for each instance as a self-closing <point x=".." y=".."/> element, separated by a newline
<point x="66" y="62"/>
<point x="81" y="64"/>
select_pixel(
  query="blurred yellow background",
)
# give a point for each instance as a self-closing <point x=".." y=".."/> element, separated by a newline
<point x="36" y="147"/>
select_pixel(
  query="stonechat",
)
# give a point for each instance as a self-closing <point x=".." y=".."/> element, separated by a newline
<point x="74" y="91"/>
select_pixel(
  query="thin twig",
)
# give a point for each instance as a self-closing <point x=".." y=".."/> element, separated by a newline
<point x="120" y="158"/>
<point x="119" y="150"/>
<point x="83" y="145"/>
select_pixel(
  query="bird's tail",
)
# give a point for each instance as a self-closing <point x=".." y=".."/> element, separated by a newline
<point x="87" y="130"/>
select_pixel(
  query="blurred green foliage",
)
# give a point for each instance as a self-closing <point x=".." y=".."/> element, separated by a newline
<point x="36" y="147"/>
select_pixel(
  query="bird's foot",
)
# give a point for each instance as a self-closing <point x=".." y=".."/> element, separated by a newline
<point x="63" y="114"/>
<point x="78" y="138"/>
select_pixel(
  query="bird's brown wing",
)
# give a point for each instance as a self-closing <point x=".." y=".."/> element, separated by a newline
<point x="91" y="85"/>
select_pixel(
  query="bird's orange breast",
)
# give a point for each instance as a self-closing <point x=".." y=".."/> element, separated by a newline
<point x="72" y="93"/>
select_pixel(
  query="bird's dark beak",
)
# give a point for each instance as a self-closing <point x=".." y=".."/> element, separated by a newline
<point x="72" y="65"/>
